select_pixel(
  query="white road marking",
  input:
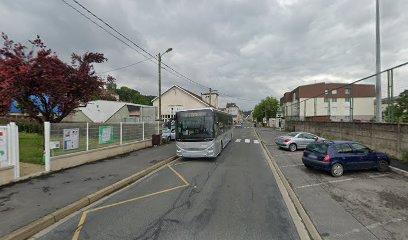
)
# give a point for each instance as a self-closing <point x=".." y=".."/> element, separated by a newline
<point x="322" y="183"/>
<point x="293" y="165"/>
<point x="379" y="175"/>
<point x="370" y="227"/>
<point x="238" y="140"/>
<point x="247" y="140"/>
<point x="256" y="141"/>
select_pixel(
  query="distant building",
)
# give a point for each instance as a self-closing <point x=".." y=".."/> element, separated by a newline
<point x="178" y="98"/>
<point x="102" y="111"/>
<point x="234" y="110"/>
<point x="334" y="102"/>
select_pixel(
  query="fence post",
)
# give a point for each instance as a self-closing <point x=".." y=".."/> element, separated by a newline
<point x="47" y="151"/>
<point x="15" y="149"/>
<point x="121" y="133"/>
<point x="87" y="136"/>
<point x="143" y="130"/>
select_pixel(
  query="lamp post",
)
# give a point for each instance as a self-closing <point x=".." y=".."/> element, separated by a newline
<point x="159" y="58"/>
<point x="378" y="62"/>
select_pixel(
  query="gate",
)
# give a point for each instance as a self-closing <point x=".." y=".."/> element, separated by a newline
<point x="9" y="153"/>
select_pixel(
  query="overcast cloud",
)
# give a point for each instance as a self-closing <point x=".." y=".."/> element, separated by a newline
<point x="246" y="49"/>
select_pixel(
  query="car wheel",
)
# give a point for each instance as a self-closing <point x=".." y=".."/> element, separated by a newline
<point x="337" y="170"/>
<point x="169" y="138"/>
<point x="383" y="166"/>
<point x="292" y="147"/>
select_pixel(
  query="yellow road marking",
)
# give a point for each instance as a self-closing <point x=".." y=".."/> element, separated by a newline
<point x="85" y="213"/>
<point x="179" y="175"/>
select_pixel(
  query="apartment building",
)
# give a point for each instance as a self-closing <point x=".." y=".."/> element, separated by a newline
<point x="330" y="102"/>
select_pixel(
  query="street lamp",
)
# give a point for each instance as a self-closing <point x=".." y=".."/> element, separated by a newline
<point x="159" y="56"/>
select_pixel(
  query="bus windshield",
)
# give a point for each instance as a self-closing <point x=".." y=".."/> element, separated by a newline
<point x="195" y="125"/>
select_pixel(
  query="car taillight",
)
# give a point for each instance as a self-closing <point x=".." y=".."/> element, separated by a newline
<point x="288" y="140"/>
<point x="327" y="158"/>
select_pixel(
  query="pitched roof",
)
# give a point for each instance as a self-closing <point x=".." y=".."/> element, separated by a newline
<point x="102" y="110"/>
<point x="199" y="98"/>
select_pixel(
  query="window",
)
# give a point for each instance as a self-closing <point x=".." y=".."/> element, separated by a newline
<point x="334" y="91"/>
<point x="334" y="99"/>
<point x="326" y="99"/>
<point x="326" y="91"/>
<point x="318" y="147"/>
<point x="360" y="148"/>
<point x="347" y="90"/>
<point x="344" y="148"/>
<point x="347" y="99"/>
<point x="308" y="136"/>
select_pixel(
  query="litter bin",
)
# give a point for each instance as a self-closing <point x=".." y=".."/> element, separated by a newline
<point x="156" y="139"/>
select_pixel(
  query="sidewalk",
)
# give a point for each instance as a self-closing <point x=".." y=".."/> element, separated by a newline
<point x="24" y="202"/>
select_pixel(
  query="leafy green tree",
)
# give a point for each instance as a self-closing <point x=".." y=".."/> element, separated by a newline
<point x="131" y="95"/>
<point x="399" y="110"/>
<point x="267" y="107"/>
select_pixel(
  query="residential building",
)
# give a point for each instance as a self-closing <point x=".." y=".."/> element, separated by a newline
<point x="330" y="102"/>
<point x="102" y="111"/>
<point x="178" y="98"/>
<point x="234" y="110"/>
<point x="211" y="98"/>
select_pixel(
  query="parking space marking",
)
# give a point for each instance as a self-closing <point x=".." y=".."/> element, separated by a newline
<point x="238" y="140"/>
<point x="85" y="213"/>
<point x="370" y="227"/>
<point x="322" y="183"/>
<point x="379" y="175"/>
<point x="247" y="140"/>
<point x="293" y="165"/>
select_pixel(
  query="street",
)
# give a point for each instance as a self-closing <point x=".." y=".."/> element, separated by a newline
<point x="232" y="197"/>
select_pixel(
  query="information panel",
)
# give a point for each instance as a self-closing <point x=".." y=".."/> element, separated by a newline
<point x="105" y="134"/>
<point x="3" y="146"/>
<point x="71" y="139"/>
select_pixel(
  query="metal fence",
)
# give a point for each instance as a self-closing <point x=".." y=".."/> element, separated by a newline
<point x="9" y="148"/>
<point x="67" y="138"/>
<point x="354" y="101"/>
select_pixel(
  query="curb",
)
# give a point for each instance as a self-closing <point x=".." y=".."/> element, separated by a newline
<point x="46" y="221"/>
<point x="399" y="171"/>
<point x="307" y="222"/>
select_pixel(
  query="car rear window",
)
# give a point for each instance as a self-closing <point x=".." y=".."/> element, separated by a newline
<point x="318" y="148"/>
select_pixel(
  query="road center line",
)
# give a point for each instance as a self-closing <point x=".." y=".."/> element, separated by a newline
<point x="322" y="183"/>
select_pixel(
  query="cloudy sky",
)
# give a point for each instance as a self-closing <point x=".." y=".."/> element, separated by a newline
<point x="247" y="50"/>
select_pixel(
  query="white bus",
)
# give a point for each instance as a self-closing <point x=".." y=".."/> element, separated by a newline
<point x="202" y="132"/>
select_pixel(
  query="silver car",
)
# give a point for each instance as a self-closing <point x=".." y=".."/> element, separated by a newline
<point x="169" y="134"/>
<point x="297" y="140"/>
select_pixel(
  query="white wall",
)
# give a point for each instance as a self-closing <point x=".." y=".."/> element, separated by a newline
<point x="178" y="100"/>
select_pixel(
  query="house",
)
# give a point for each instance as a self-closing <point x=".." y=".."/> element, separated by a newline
<point x="178" y="98"/>
<point x="234" y="110"/>
<point x="330" y="102"/>
<point x="102" y="111"/>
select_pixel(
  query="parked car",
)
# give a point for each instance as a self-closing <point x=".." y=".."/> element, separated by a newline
<point x="339" y="156"/>
<point x="169" y="134"/>
<point x="297" y="140"/>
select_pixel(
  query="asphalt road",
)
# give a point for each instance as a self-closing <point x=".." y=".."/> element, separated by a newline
<point x="359" y="205"/>
<point x="232" y="197"/>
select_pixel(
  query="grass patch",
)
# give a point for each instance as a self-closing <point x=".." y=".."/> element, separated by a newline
<point x="31" y="148"/>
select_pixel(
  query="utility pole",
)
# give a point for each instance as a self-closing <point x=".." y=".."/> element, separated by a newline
<point x="159" y="58"/>
<point x="210" y="95"/>
<point x="378" y="63"/>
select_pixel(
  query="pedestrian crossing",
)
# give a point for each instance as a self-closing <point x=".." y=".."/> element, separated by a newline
<point x="238" y="140"/>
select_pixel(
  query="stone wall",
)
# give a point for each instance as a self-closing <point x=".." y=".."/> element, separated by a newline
<point x="389" y="138"/>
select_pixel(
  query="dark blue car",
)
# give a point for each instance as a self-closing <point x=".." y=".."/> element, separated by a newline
<point x="339" y="156"/>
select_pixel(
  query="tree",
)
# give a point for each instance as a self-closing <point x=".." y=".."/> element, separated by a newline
<point x="267" y="107"/>
<point x="131" y="95"/>
<point x="43" y="86"/>
<point x="398" y="110"/>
